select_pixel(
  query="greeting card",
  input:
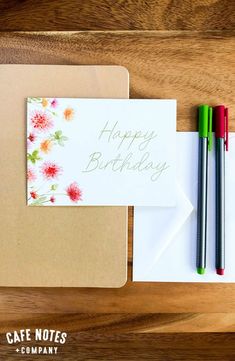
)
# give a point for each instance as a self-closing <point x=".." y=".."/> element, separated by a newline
<point x="100" y="152"/>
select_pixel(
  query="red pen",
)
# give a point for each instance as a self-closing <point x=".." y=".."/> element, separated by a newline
<point x="221" y="135"/>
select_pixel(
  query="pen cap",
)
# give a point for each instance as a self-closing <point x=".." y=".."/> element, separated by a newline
<point x="203" y="115"/>
<point x="221" y="123"/>
<point x="219" y="116"/>
<point x="205" y="123"/>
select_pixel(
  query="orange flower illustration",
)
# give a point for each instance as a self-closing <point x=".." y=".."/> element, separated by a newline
<point x="68" y="114"/>
<point x="44" y="102"/>
<point x="46" y="146"/>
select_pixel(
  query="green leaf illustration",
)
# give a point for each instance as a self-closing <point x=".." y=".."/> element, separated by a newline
<point x="60" y="142"/>
<point x="39" y="201"/>
<point x="54" y="187"/>
<point x="33" y="157"/>
<point x="32" y="100"/>
<point x="58" y="134"/>
<point x="59" y="138"/>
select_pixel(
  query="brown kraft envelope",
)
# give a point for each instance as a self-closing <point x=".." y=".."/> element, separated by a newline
<point x="55" y="246"/>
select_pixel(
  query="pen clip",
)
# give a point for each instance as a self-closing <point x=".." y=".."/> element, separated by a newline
<point x="226" y="128"/>
<point x="210" y="128"/>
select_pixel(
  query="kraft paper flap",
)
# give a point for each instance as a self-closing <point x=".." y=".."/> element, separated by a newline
<point x="55" y="246"/>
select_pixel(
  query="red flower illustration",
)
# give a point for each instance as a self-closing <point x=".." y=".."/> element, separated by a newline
<point x="41" y="121"/>
<point x="32" y="137"/>
<point x="50" y="170"/>
<point x="74" y="192"/>
<point x="34" y="195"/>
<point x="31" y="176"/>
<point x="54" y="103"/>
<point x="52" y="199"/>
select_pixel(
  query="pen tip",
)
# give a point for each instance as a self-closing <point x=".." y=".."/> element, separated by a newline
<point x="201" y="271"/>
<point x="220" y="271"/>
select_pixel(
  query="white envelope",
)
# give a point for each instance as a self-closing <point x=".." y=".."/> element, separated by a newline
<point x="164" y="247"/>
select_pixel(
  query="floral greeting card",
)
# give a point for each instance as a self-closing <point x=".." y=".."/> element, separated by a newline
<point x="100" y="152"/>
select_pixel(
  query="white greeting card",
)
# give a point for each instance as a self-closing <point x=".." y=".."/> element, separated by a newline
<point x="101" y="152"/>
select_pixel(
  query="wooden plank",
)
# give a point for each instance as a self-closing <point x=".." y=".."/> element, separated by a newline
<point x="117" y="15"/>
<point x="161" y="64"/>
<point x="132" y="298"/>
<point x="131" y="347"/>
<point x="192" y="67"/>
<point x="121" y="323"/>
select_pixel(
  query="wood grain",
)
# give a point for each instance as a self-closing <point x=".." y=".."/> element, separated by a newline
<point x="121" y="322"/>
<point x="44" y="15"/>
<point x="87" y="346"/>
<point x="132" y="298"/>
<point x="191" y="67"/>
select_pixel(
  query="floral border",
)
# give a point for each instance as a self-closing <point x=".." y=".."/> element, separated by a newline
<point x="40" y="142"/>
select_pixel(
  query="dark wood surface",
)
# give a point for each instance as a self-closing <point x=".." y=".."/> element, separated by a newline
<point x="116" y="323"/>
<point x="187" y="55"/>
<point x="89" y="346"/>
<point x="196" y="15"/>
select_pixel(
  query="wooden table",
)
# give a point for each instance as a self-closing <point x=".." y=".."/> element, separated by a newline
<point x="172" y="49"/>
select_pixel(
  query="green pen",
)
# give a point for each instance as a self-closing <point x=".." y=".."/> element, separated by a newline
<point x="205" y="144"/>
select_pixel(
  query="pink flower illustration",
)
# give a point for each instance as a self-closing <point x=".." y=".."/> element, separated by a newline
<point x="41" y="121"/>
<point x="32" y="137"/>
<point x="54" y="103"/>
<point x="29" y="144"/>
<point x="31" y="176"/>
<point x="50" y="170"/>
<point x="52" y="199"/>
<point x="74" y="192"/>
